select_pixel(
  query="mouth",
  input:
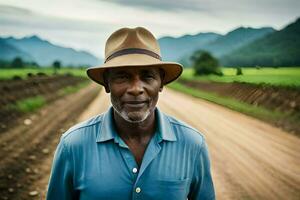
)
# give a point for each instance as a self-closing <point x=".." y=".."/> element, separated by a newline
<point x="135" y="104"/>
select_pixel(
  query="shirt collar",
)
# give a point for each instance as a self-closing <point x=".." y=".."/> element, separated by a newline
<point x="108" y="131"/>
<point x="165" y="130"/>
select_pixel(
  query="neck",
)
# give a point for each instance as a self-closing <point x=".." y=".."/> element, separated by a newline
<point x="137" y="131"/>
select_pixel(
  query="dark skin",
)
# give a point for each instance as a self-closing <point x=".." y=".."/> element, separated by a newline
<point x="134" y="95"/>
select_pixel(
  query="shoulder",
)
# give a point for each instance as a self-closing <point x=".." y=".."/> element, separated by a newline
<point x="83" y="132"/>
<point x="185" y="133"/>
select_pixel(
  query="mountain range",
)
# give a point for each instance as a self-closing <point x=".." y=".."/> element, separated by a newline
<point x="243" y="46"/>
<point x="180" y="49"/>
<point x="281" y="48"/>
<point x="44" y="53"/>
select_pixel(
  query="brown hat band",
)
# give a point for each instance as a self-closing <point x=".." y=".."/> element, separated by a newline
<point x="133" y="51"/>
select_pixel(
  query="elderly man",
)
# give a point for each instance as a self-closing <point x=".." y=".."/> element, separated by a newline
<point x="133" y="151"/>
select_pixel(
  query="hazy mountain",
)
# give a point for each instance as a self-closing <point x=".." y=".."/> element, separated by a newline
<point x="173" y="49"/>
<point x="180" y="49"/>
<point x="281" y="48"/>
<point x="235" y="39"/>
<point x="9" y="52"/>
<point x="45" y="53"/>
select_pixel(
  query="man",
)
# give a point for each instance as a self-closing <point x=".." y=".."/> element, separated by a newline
<point x="133" y="151"/>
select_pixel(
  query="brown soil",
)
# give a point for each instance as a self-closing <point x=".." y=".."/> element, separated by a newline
<point x="249" y="158"/>
<point x="25" y="147"/>
<point x="14" y="90"/>
<point x="99" y="105"/>
<point x="286" y="100"/>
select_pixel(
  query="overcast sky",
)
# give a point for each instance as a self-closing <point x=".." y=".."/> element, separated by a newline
<point x="86" y="24"/>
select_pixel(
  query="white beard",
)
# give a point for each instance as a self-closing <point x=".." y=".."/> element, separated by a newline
<point x="142" y="116"/>
<point x="131" y="117"/>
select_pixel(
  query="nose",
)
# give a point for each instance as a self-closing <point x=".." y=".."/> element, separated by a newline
<point x="136" y="87"/>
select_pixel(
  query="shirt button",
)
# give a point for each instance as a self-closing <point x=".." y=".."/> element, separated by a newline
<point x="138" y="190"/>
<point x="134" y="170"/>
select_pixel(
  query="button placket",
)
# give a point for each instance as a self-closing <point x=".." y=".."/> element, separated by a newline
<point x="130" y="163"/>
<point x="138" y="190"/>
<point x="134" y="170"/>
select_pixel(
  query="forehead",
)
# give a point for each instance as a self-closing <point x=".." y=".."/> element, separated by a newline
<point x="134" y="69"/>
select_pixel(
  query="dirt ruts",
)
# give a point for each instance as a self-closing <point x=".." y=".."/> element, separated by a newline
<point x="275" y="98"/>
<point x="24" y="147"/>
<point x="250" y="159"/>
<point x="285" y="100"/>
<point x="14" y="90"/>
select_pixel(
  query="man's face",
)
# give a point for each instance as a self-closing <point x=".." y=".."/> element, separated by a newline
<point x="134" y="91"/>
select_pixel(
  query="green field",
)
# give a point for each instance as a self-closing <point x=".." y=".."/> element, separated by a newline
<point x="34" y="103"/>
<point x="6" y="74"/>
<point x="72" y="89"/>
<point x="28" y="105"/>
<point x="252" y="110"/>
<point x="286" y="77"/>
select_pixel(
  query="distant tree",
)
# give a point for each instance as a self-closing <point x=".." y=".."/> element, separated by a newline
<point x="239" y="71"/>
<point x="17" y="63"/>
<point x="204" y="63"/>
<point x="34" y="64"/>
<point x="4" y="64"/>
<point x="56" y="66"/>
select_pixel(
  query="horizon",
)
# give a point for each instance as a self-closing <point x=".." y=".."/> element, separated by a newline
<point x="99" y="57"/>
<point x="79" y="25"/>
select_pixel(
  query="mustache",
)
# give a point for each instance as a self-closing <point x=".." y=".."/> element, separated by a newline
<point x="136" y="100"/>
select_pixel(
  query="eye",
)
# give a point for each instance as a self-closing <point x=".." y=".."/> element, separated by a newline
<point x="148" y="76"/>
<point x="120" y="77"/>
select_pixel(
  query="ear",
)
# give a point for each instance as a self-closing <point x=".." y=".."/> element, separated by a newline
<point x="105" y="78"/>
<point x="107" y="90"/>
<point x="162" y="74"/>
<point x="161" y="88"/>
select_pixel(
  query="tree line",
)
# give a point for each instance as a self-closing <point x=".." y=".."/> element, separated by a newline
<point x="204" y="63"/>
<point x="19" y="63"/>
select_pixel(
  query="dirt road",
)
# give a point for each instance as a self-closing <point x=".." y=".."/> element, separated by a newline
<point x="250" y="159"/>
<point x="27" y="148"/>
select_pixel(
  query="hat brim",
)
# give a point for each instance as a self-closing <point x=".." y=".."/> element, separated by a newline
<point x="172" y="69"/>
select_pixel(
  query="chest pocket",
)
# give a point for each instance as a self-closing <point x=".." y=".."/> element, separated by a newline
<point x="168" y="189"/>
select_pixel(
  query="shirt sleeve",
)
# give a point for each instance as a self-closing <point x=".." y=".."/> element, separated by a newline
<point x="61" y="178"/>
<point x="202" y="186"/>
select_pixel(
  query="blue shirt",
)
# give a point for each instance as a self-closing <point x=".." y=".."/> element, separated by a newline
<point x="92" y="162"/>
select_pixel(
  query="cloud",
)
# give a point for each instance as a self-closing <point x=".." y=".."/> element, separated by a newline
<point x="12" y="16"/>
<point x="214" y="7"/>
<point x="164" y="4"/>
<point x="86" y="24"/>
<point x="6" y="9"/>
<point x="80" y="34"/>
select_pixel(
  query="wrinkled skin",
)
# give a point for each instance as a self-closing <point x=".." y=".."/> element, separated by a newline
<point x="134" y="91"/>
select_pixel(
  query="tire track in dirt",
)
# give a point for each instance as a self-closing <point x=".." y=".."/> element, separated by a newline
<point x="247" y="155"/>
<point x="26" y="148"/>
<point x="250" y="159"/>
<point x="98" y="105"/>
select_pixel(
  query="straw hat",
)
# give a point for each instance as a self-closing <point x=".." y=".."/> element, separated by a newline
<point x="133" y="47"/>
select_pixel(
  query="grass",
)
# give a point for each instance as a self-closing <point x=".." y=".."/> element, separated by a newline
<point x="6" y="74"/>
<point x="285" y="77"/>
<point x="255" y="111"/>
<point x="71" y="89"/>
<point x="28" y="104"/>
<point x="32" y="104"/>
